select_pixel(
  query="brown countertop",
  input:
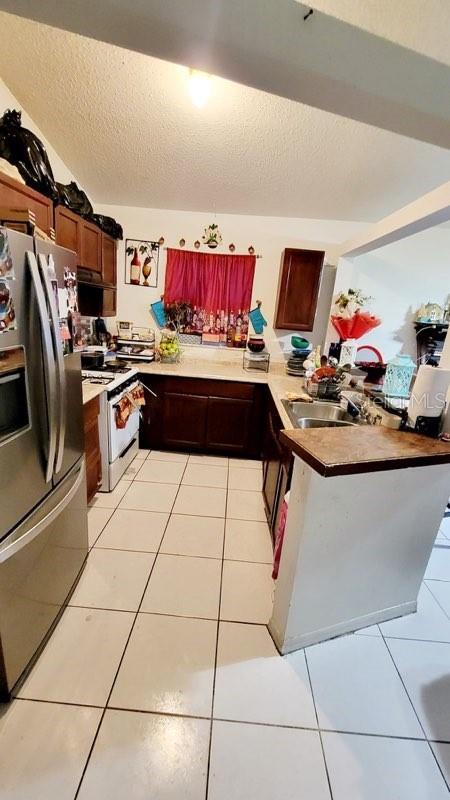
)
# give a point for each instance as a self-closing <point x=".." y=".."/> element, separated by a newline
<point x="352" y="450"/>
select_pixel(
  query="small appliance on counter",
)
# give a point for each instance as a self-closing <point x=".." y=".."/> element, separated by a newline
<point x="92" y="357"/>
<point x="134" y="343"/>
<point x="428" y="399"/>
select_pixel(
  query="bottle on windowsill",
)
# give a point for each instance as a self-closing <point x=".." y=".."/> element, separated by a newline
<point x="231" y="330"/>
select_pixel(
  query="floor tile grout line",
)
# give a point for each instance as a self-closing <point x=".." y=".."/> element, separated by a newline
<point x="330" y="730"/>
<point x="58" y="702"/>
<point x="415" y="711"/>
<point x="113" y="511"/>
<point x="237" y="721"/>
<point x="102" y="716"/>
<point x="403" y="683"/>
<point x="217" y="641"/>
<point x="318" y="728"/>
<point x="436" y="599"/>
<point x="182" y="555"/>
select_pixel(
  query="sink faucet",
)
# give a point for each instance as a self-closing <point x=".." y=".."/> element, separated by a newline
<point x="363" y="410"/>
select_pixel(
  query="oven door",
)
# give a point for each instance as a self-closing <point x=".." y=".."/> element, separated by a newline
<point x="119" y="439"/>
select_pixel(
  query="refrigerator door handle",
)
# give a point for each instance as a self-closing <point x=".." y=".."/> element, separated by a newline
<point x="43" y="266"/>
<point x="49" y="363"/>
<point x="10" y="546"/>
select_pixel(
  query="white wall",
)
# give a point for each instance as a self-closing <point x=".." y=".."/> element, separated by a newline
<point x="269" y="236"/>
<point x="400" y="277"/>
<point x="7" y="100"/>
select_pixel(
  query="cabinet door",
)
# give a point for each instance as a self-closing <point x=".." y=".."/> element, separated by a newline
<point x="298" y="289"/>
<point x="92" y="447"/>
<point x="272" y="474"/>
<point x="150" y="428"/>
<point x="15" y="196"/>
<point x="109" y="259"/>
<point x="68" y="230"/>
<point x="229" y="424"/>
<point x="91" y="246"/>
<point x="184" y="420"/>
<point x="108" y="303"/>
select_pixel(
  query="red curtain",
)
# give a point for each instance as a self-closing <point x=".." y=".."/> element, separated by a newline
<point x="209" y="281"/>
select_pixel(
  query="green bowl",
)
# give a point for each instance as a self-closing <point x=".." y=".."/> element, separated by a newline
<point x="299" y="342"/>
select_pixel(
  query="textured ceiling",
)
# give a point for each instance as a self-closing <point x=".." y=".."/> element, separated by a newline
<point x="421" y="25"/>
<point x="124" y="124"/>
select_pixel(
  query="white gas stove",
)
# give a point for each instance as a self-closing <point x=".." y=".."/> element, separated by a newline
<point x="118" y="446"/>
<point x="112" y="375"/>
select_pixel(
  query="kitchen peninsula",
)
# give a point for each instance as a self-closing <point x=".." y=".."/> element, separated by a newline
<point x="365" y="507"/>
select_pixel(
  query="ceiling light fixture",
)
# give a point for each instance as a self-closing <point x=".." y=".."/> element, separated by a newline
<point x="199" y="87"/>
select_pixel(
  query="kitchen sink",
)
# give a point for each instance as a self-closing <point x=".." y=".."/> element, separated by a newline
<point x="314" y="422"/>
<point x="317" y="414"/>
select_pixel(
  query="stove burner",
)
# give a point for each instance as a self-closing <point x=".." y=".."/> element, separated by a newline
<point x="92" y="379"/>
<point x="111" y="366"/>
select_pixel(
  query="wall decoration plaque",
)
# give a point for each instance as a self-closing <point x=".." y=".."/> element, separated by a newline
<point x="141" y="262"/>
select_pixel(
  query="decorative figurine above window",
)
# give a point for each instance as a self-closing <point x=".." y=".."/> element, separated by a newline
<point x="212" y="236"/>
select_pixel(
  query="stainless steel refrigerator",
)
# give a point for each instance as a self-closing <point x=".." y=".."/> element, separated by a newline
<point x="43" y="516"/>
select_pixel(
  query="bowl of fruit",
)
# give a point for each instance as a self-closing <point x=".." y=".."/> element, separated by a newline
<point x="169" y="347"/>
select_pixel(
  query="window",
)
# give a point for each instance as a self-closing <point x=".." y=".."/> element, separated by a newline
<point x="206" y="293"/>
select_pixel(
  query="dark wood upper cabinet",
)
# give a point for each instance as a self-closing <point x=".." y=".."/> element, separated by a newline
<point x="68" y="229"/>
<point x="91" y="246"/>
<point x="15" y="196"/>
<point x="109" y="259"/>
<point x="298" y="289"/>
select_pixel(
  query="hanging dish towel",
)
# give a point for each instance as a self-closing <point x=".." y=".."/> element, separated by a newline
<point x="127" y="404"/>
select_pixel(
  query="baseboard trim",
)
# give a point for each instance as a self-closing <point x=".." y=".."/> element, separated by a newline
<point x="292" y="643"/>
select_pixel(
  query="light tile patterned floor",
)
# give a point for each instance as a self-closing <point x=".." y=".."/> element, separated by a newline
<point x="163" y="671"/>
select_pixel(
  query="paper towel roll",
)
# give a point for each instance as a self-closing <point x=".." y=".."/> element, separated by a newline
<point x="429" y="392"/>
<point x="444" y="361"/>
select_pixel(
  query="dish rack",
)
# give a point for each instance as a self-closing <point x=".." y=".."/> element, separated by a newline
<point x="140" y="346"/>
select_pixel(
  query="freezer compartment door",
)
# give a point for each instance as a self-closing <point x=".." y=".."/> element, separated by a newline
<point x="39" y="564"/>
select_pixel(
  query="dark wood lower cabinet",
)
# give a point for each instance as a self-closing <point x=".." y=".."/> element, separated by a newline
<point x="277" y="466"/>
<point x="184" y="420"/>
<point x="229" y="424"/>
<point x="208" y="416"/>
<point x="91" y="411"/>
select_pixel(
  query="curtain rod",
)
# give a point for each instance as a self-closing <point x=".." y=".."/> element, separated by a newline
<point x="181" y="249"/>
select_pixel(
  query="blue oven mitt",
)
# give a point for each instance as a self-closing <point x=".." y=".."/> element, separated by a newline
<point x="257" y="320"/>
